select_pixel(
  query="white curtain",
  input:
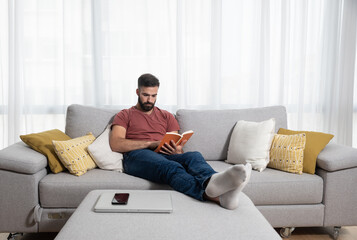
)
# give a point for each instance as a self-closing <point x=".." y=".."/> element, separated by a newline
<point x="216" y="54"/>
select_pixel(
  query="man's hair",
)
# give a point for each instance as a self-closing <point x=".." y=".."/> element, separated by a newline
<point x="148" y="80"/>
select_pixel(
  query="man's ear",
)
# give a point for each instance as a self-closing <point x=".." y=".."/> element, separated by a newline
<point x="137" y="91"/>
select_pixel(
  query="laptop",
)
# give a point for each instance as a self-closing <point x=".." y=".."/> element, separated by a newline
<point x="138" y="202"/>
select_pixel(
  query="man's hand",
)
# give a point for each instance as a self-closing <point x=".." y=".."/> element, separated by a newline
<point x="172" y="148"/>
<point x="153" y="145"/>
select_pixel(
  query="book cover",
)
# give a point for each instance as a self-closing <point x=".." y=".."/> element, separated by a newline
<point x="176" y="137"/>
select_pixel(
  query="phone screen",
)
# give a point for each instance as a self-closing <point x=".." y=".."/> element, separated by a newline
<point x="120" y="198"/>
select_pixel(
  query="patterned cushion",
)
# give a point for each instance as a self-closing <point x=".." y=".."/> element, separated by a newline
<point x="287" y="152"/>
<point x="74" y="155"/>
<point x="315" y="142"/>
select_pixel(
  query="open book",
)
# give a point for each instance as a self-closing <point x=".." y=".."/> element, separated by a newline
<point x="177" y="138"/>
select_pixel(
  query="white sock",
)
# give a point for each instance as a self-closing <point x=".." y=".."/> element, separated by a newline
<point x="230" y="200"/>
<point x="226" y="181"/>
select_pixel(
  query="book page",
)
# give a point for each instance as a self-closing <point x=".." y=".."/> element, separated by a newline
<point x="185" y="136"/>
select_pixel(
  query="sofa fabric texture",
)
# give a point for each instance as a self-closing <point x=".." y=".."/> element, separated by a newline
<point x="15" y="161"/>
<point x="20" y="191"/>
<point x="64" y="190"/>
<point x="294" y="215"/>
<point x="336" y="157"/>
<point x="338" y="207"/>
<point x="275" y="187"/>
<point x="83" y="119"/>
<point x="215" y="127"/>
<point x="268" y="184"/>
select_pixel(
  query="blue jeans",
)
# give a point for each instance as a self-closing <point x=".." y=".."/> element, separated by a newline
<point x="186" y="173"/>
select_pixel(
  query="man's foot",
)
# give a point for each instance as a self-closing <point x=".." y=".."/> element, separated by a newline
<point x="228" y="180"/>
<point x="230" y="200"/>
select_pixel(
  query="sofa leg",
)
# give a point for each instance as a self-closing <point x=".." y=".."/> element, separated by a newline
<point x="336" y="232"/>
<point x="13" y="236"/>
<point x="286" y="232"/>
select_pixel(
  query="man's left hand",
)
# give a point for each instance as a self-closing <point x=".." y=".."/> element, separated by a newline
<point x="172" y="148"/>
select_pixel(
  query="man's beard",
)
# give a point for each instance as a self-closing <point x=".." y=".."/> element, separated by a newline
<point x="146" y="106"/>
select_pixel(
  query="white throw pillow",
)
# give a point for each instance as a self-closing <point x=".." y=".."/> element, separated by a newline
<point x="250" y="143"/>
<point x="103" y="155"/>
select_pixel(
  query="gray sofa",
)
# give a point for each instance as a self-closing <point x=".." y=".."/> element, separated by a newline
<point x="35" y="200"/>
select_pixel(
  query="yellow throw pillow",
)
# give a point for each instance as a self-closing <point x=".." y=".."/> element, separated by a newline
<point x="42" y="142"/>
<point x="287" y="152"/>
<point x="74" y="155"/>
<point x="315" y="142"/>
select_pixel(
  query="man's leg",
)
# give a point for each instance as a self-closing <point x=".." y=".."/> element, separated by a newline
<point x="223" y="187"/>
<point x="155" y="167"/>
<point x="195" y="165"/>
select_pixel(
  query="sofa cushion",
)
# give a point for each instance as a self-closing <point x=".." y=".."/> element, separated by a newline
<point x="270" y="187"/>
<point x="74" y="155"/>
<point x="250" y="143"/>
<point x="42" y="142"/>
<point x="214" y="127"/>
<point x="83" y="119"/>
<point x="287" y="152"/>
<point x="315" y="142"/>
<point x="275" y="187"/>
<point x="103" y="155"/>
<point x="66" y="190"/>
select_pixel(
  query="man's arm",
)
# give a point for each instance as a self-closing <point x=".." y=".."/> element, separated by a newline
<point x="118" y="142"/>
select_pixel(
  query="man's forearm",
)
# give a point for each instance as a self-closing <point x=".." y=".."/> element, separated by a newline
<point x="123" y="145"/>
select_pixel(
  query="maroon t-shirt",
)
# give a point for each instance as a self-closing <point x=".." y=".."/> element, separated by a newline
<point x="148" y="127"/>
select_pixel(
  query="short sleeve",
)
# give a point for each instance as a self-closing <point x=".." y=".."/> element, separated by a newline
<point x="122" y="118"/>
<point x="172" y="124"/>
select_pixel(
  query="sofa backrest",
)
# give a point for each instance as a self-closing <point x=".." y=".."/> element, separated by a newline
<point x="82" y="119"/>
<point x="213" y="128"/>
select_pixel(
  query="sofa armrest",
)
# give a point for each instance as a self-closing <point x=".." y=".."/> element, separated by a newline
<point x="336" y="157"/>
<point x="22" y="159"/>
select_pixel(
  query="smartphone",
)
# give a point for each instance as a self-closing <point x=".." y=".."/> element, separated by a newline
<point x="120" y="198"/>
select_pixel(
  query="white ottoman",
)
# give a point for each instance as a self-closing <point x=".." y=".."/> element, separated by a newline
<point x="190" y="219"/>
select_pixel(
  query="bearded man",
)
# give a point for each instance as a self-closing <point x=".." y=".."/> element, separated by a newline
<point x="137" y="131"/>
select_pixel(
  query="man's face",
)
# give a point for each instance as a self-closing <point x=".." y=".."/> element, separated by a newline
<point x="147" y="97"/>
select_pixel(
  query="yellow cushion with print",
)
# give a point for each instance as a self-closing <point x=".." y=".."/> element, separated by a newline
<point x="74" y="155"/>
<point x="42" y="142"/>
<point x="287" y="152"/>
<point x="315" y="142"/>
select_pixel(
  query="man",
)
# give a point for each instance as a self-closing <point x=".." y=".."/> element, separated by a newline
<point x="137" y="131"/>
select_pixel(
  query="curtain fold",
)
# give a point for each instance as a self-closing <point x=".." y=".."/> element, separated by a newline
<point x="340" y="114"/>
<point x="216" y="54"/>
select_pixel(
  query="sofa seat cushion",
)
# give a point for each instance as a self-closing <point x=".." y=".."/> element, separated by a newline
<point x="270" y="187"/>
<point x="67" y="191"/>
<point x="275" y="187"/>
